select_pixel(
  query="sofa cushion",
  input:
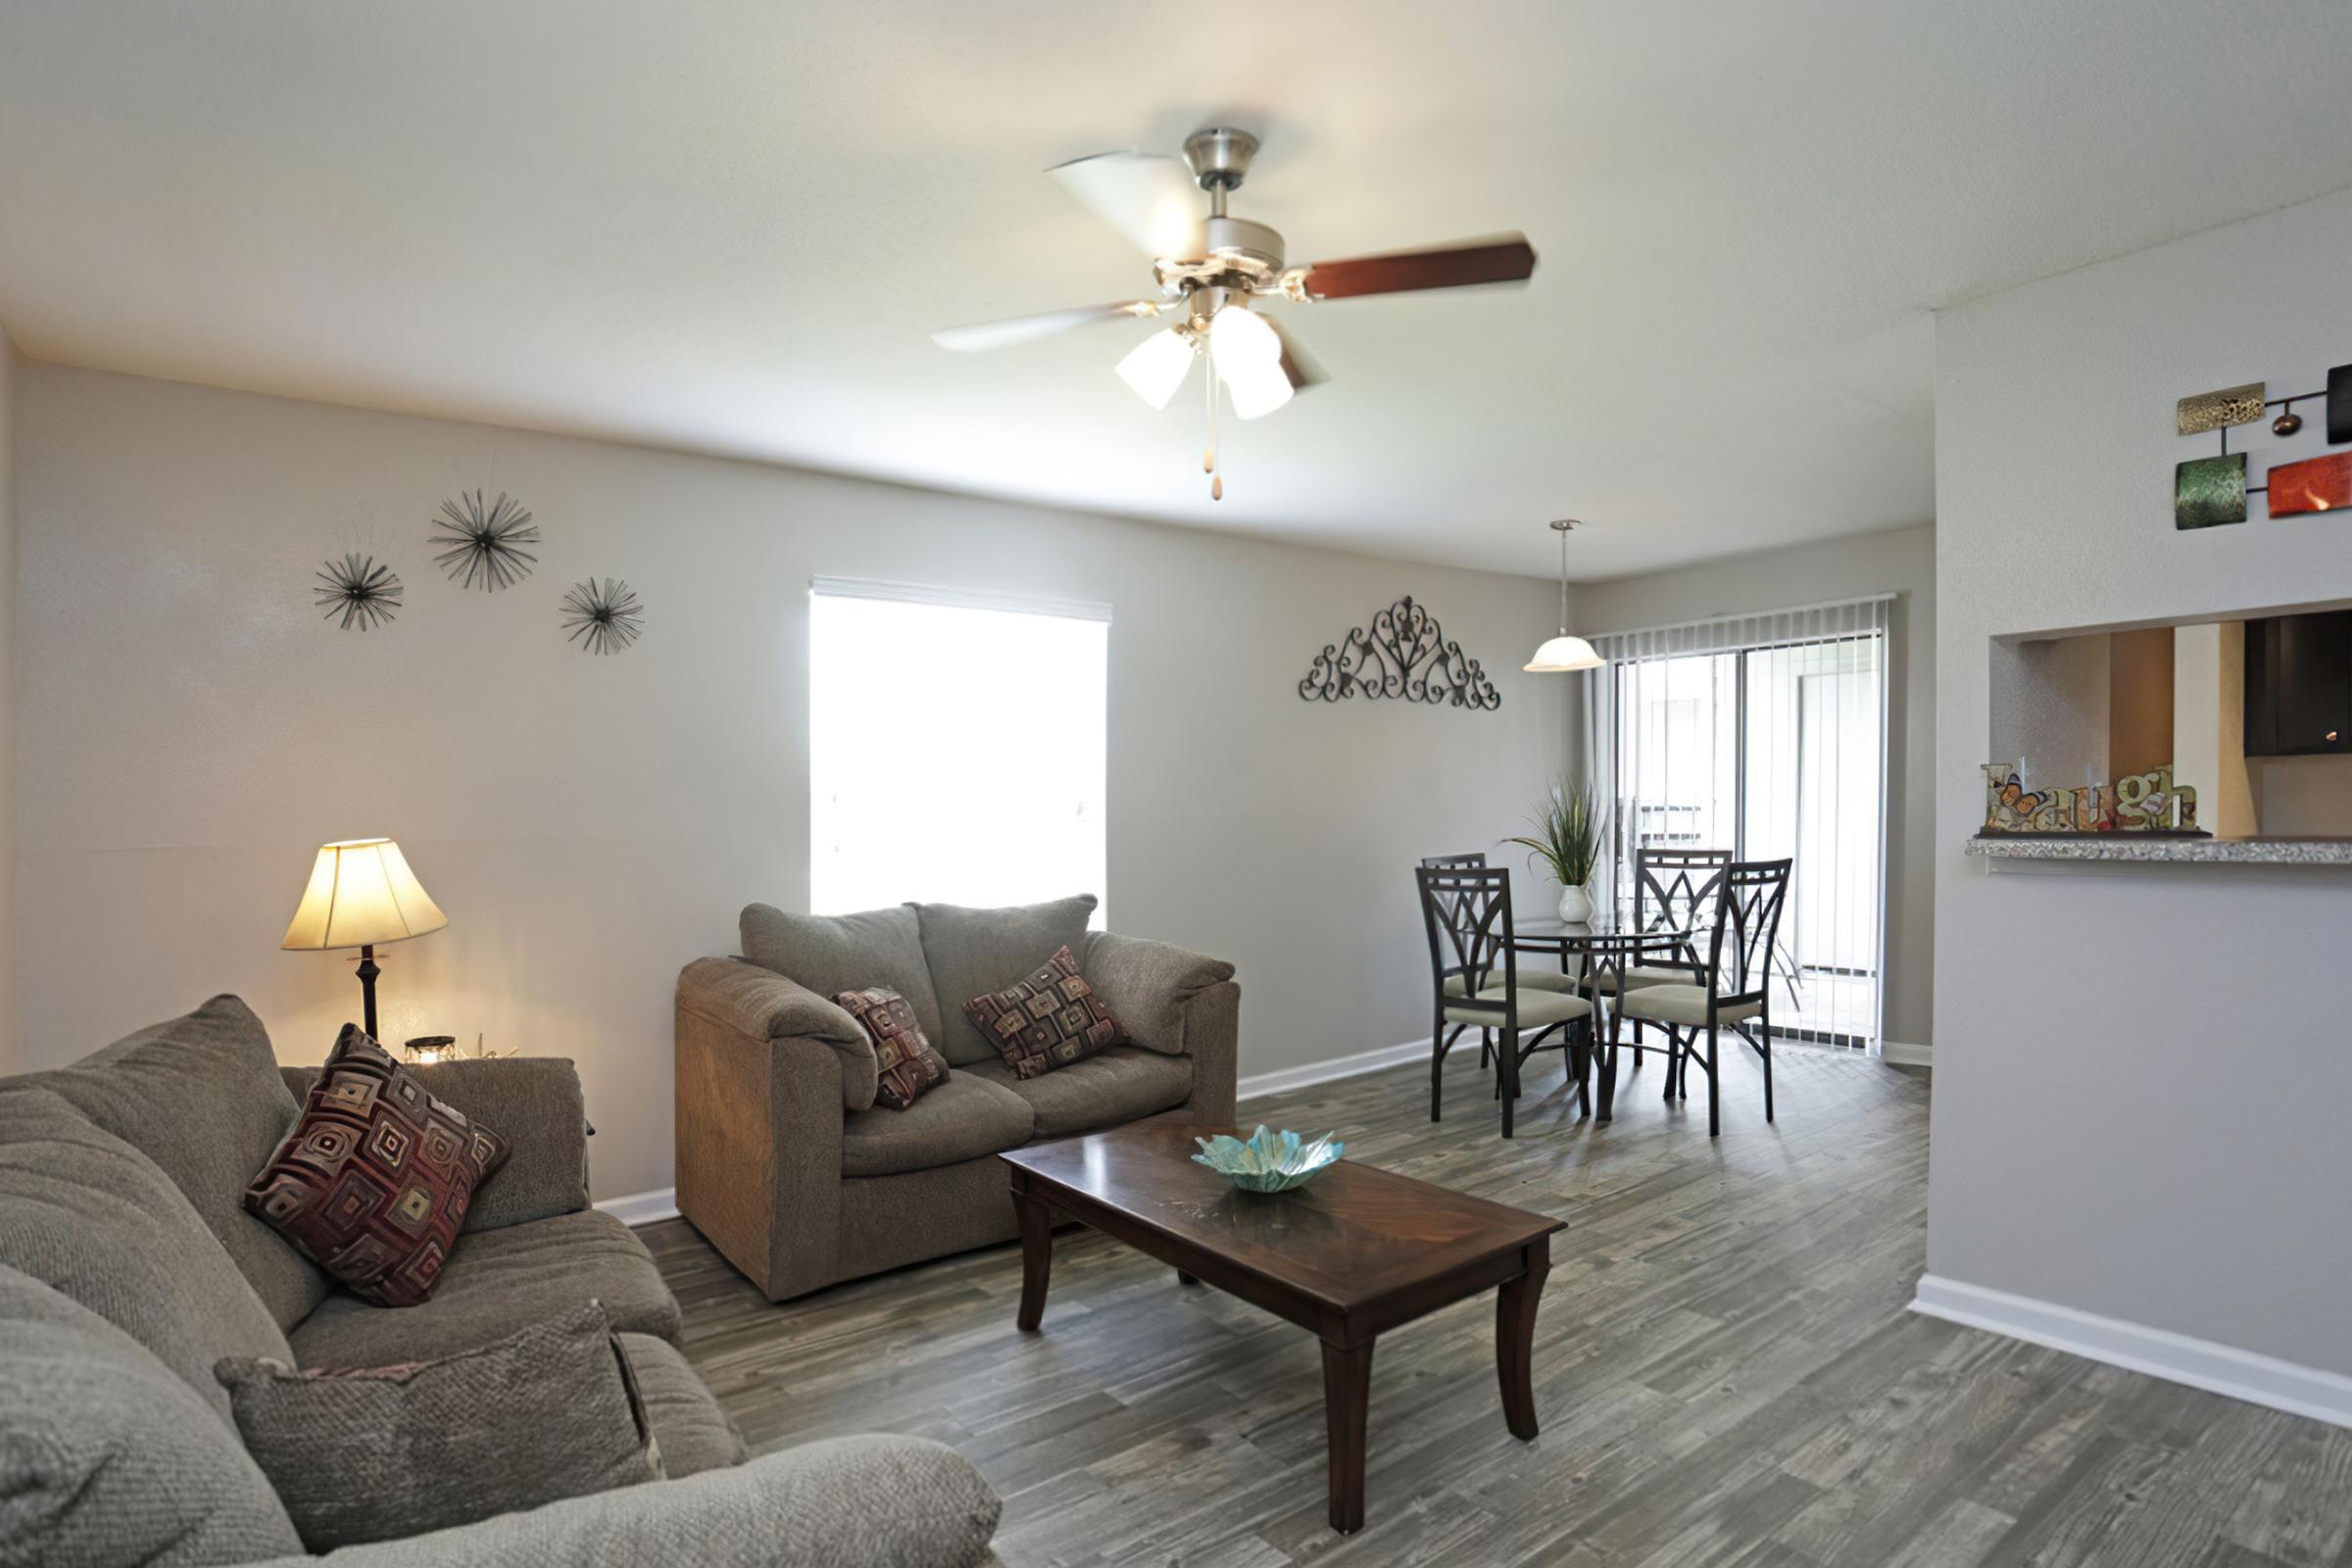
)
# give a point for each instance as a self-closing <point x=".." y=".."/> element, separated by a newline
<point x="106" y="1457"/>
<point x="963" y="1118"/>
<point x="1046" y="1020"/>
<point x="377" y="1175"/>
<point x="373" y="1454"/>
<point x="1148" y="984"/>
<point x="1121" y="1085"/>
<point x="829" y="953"/>
<point x="201" y="1095"/>
<point x="84" y="1211"/>
<point x="972" y="952"/>
<point x="905" y="1064"/>
<point x="694" y="1432"/>
<point x="496" y="1283"/>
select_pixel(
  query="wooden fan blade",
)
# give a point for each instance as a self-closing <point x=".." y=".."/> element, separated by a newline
<point x="1029" y="328"/>
<point x="1151" y="200"/>
<point x="1296" y="364"/>
<point x="1504" y="259"/>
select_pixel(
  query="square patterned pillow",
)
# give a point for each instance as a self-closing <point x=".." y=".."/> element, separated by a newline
<point x="371" y="1453"/>
<point x="1049" y="1020"/>
<point x="908" y="1065"/>
<point x="375" y="1176"/>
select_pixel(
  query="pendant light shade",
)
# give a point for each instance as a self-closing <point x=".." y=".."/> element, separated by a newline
<point x="1566" y="652"/>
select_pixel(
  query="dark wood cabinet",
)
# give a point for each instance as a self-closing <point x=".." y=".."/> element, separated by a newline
<point x="2299" y="685"/>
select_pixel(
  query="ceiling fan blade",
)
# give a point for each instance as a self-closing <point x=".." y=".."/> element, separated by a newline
<point x="1296" y="364"/>
<point x="1503" y="258"/>
<point x="1029" y="328"/>
<point x="1150" y="199"/>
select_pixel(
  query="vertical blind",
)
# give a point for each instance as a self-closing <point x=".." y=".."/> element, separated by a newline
<point x="1766" y="735"/>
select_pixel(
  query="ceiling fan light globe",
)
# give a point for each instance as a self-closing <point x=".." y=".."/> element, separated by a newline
<point x="1157" y="365"/>
<point x="1255" y="389"/>
<point x="1563" y="655"/>
<point x="1248" y="355"/>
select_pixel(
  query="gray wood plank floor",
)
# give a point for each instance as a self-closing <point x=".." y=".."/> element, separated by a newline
<point x="1724" y="1366"/>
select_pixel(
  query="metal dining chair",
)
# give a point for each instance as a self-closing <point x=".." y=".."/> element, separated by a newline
<point x="1540" y="979"/>
<point x="1731" y="989"/>
<point x="1672" y="887"/>
<point x="1475" y="983"/>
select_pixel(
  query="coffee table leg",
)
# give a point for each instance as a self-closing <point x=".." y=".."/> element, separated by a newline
<point x="1346" y="1397"/>
<point x="1182" y="1278"/>
<point x="1515" y="1340"/>
<point x="1037" y="1259"/>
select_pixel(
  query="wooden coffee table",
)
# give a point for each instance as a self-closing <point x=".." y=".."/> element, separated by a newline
<point x="1350" y="1255"/>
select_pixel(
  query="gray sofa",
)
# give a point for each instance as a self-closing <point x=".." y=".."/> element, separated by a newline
<point x="128" y="1266"/>
<point x="785" y="1163"/>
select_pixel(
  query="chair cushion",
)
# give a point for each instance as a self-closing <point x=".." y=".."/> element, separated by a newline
<point x="201" y="1095"/>
<point x="975" y="951"/>
<point x="905" y="1064"/>
<point x="1538" y="1009"/>
<point x="1049" y="1019"/>
<point x="1529" y="980"/>
<point x="106" y="1457"/>
<point x="496" y="1283"/>
<point x="377" y="1175"/>
<point x="694" y="1431"/>
<point x="84" y="1211"/>
<point x="375" y="1453"/>
<point x="829" y="953"/>
<point x="963" y="1118"/>
<point x="1644" y="975"/>
<point x="1121" y="1085"/>
<point x="1684" y="1004"/>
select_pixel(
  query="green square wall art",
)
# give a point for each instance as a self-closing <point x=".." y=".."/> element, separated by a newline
<point x="2210" y="491"/>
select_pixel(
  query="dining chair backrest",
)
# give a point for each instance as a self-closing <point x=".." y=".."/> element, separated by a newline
<point x="1438" y="863"/>
<point x="1672" y="885"/>
<point x="1748" y="899"/>
<point x="1467" y="911"/>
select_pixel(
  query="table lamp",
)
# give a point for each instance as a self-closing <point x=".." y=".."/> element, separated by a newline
<point x="362" y="893"/>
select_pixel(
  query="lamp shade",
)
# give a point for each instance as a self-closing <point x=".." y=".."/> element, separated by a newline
<point x="1562" y="654"/>
<point x="361" y="892"/>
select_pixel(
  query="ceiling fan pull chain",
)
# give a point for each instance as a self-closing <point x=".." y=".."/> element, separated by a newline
<point x="1209" y="456"/>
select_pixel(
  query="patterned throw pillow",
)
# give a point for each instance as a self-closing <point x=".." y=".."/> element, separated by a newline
<point x="375" y="1176"/>
<point x="1049" y="1020"/>
<point x="909" y="1064"/>
<point x="368" y="1455"/>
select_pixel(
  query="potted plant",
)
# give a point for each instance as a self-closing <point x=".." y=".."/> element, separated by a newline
<point x="1566" y="845"/>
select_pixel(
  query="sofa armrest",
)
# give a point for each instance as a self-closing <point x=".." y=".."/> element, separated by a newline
<point x="1149" y="986"/>
<point x="743" y="999"/>
<point x="873" y="1498"/>
<point x="536" y="1105"/>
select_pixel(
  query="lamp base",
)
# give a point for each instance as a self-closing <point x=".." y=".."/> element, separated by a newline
<point x="367" y="973"/>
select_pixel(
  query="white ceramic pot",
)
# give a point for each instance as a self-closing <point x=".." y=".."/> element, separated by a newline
<point x="1575" y="908"/>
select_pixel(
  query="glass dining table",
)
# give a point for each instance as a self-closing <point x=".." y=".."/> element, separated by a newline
<point x="1599" y="951"/>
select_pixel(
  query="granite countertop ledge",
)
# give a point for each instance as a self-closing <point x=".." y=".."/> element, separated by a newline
<point x="2129" y="847"/>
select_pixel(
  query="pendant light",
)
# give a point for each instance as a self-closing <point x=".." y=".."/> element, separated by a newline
<point x="1564" y="653"/>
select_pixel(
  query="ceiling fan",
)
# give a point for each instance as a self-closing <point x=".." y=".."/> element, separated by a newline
<point x="1210" y="271"/>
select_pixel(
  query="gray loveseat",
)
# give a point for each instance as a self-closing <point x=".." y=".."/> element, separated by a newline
<point x="128" y="1266"/>
<point x="785" y="1163"/>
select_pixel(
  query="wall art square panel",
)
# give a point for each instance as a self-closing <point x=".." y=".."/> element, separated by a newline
<point x="2316" y="484"/>
<point x="2210" y="491"/>
<point x="2340" y="405"/>
<point x="2217" y="410"/>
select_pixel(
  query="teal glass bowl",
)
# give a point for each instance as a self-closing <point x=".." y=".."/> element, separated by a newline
<point x="1268" y="1162"/>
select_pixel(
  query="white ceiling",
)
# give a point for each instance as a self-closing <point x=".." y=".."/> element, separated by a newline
<point x="728" y="226"/>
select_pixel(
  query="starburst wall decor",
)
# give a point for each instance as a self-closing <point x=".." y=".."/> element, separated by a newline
<point x="602" y="617"/>
<point x="363" y="593"/>
<point x="485" y="541"/>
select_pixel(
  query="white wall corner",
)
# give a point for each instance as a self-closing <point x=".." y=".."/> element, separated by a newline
<point x="2224" y="1369"/>
<point x="642" y="1209"/>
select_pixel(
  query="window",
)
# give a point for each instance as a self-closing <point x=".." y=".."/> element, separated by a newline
<point x="957" y="748"/>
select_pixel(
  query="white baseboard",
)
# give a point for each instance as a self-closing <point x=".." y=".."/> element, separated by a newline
<point x="2247" y="1375"/>
<point x="1284" y="1079"/>
<point x="1906" y="1055"/>
<point x="643" y="1209"/>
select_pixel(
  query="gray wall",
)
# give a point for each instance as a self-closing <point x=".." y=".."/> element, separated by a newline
<point x="2140" y="1075"/>
<point x="192" y="730"/>
<point x="8" y="696"/>
<point x="1901" y="562"/>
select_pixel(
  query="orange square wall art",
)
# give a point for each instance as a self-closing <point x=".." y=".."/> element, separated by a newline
<point x="2316" y="484"/>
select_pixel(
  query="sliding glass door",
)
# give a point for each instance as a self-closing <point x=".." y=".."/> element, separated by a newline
<point x="1765" y="736"/>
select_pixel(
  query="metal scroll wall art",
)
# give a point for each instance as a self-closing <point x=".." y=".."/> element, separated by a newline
<point x="2207" y="492"/>
<point x="2138" y="803"/>
<point x="481" y="544"/>
<point x="1403" y="655"/>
